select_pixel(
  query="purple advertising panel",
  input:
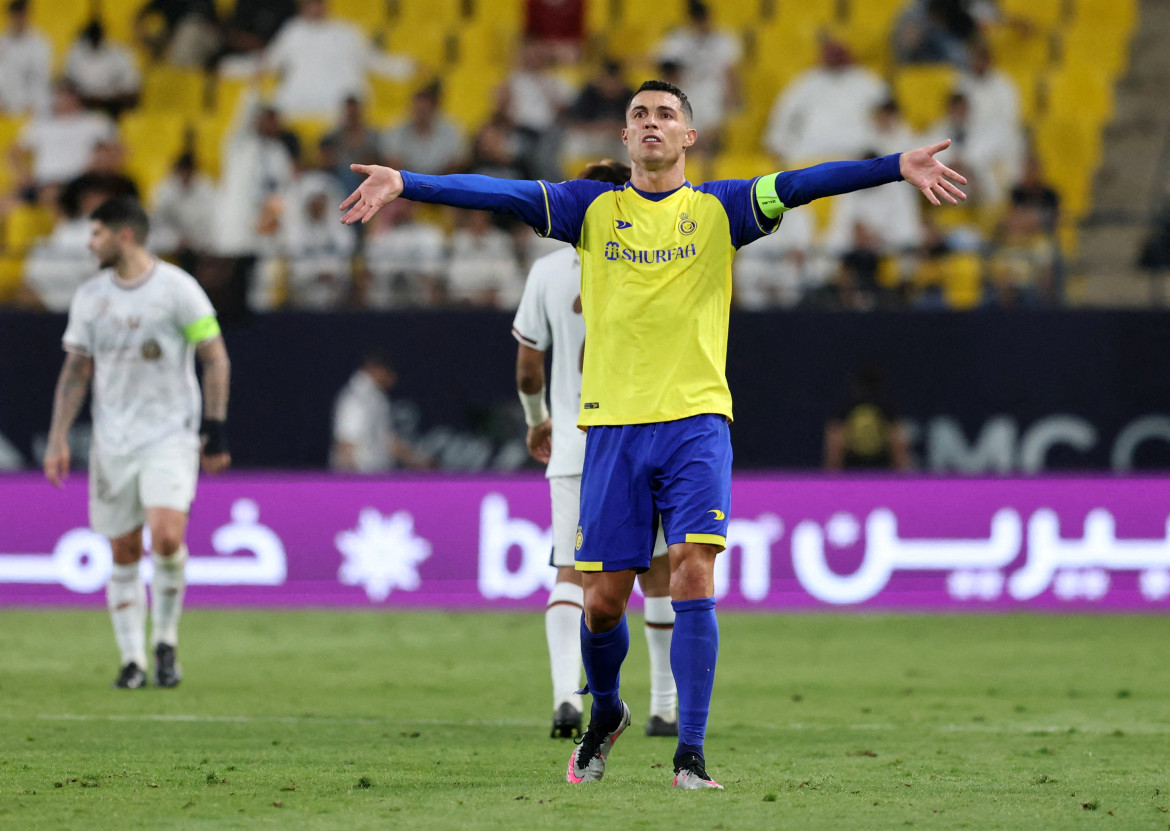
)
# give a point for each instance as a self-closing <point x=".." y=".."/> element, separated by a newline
<point x="795" y="543"/>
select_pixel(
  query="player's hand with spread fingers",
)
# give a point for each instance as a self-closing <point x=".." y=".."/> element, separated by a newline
<point x="921" y="169"/>
<point x="539" y="441"/>
<point x="381" y="186"/>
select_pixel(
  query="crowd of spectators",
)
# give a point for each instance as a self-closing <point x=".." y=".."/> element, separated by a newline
<point x="264" y="234"/>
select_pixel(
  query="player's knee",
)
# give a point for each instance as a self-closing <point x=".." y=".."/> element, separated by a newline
<point x="165" y="541"/>
<point x="603" y="612"/>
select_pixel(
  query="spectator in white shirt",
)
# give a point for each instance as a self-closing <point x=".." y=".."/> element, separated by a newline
<point x="364" y="438"/>
<point x="709" y="59"/>
<point x="824" y="112"/>
<point x="891" y="217"/>
<point x="319" y="248"/>
<point x="534" y="97"/>
<point x="62" y="261"/>
<point x="182" y="224"/>
<point x="26" y="61"/>
<point x="483" y="269"/>
<point x="991" y="155"/>
<point x="55" y="147"/>
<point x="105" y="74"/>
<point x="994" y="99"/>
<point x="889" y="131"/>
<point x="322" y="61"/>
<point x="404" y="257"/>
<point x="258" y="164"/>
<point x="777" y="269"/>
<point x="427" y="141"/>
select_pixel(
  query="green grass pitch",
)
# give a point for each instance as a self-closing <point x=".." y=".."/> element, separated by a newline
<point x="343" y="720"/>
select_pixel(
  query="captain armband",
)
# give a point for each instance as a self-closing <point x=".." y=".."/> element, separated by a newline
<point x="767" y="201"/>
<point x="535" y="409"/>
<point x="201" y="330"/>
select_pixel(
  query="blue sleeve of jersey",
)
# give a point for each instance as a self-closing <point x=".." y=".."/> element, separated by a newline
<point x="553" y="210"/>
<point x="748" y="222"/>
<point x="799" y="187"/>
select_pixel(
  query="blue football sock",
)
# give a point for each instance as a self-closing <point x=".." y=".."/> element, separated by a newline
<point x="694" y="650"/>
<point x="602" y="654"/>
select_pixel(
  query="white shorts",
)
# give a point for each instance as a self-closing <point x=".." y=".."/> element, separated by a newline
<point x="121" y="488"/>
<point x="566" y="509"/>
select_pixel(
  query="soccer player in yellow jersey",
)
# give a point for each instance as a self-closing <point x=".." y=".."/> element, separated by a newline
<point x="656" y="292"/>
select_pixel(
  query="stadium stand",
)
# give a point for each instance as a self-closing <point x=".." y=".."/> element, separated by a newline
<point x="1065" y="57"/>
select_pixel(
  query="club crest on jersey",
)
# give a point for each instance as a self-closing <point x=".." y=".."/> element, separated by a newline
<point x="580" y="538"/>
<point x="686" y="225"/>
<point x="151" y="351"/>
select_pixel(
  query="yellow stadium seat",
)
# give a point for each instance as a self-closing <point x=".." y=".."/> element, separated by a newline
<point x="173" y="89"/>
<point x="226" y="94"/>
<point x="601" y="16"/>
<point x="1107" y="15"/>
<point x="486" y="42"/>
<point x="422" y="13"/>
<point x="506" y="13"/>
<point x="1015" y="51"/>
<point x="310" y="132"/>
<point x="922" y="91"/>
<point x="469" y="95"/>
<point x="805" y="13"/>
<point x="742" y="166"/>
<point x="11" y="276"/>
<point x="1069" y="148"/>
<point x="118" y="18"/>
<point x="962" y="280"/>
<point x="740" y="15"/>
<point x="800" y="51"/>
<point x="23" y="226"/>
<point x="153" y="142"/>
<point x="10" y="128"/>
<point x="60" y="22"/>
<point x="1085" y="45"/>
<point x="370" y="15"/>
<point x="1080" y="92"/>
<point x="430" y="44"/>
<point x="1044" y="14"/>
<point x="208" y="143"/>
<point x="867" y="30"/>
<point x="389" y="101"/>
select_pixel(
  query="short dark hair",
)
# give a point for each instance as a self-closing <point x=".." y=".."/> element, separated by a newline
<point x="123" y="212"/>
<point x="607" y="170"/>
<point x="663" y="86"/>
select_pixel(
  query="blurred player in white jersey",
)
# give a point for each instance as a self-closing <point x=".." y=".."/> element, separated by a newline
<point x="134" y="330"/>
<point x="549" y="315"/>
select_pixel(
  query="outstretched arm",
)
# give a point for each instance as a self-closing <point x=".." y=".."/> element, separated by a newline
<point x="72" y="387"/>
<point x="213" y="357"/>
<point x="918" y="167"/>
<point x="552" y="210"/>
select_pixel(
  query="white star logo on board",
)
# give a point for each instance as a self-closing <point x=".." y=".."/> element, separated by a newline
<point x="382" y="554"/>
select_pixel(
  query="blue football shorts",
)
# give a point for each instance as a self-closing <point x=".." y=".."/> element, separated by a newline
<point x="634" y="473"/>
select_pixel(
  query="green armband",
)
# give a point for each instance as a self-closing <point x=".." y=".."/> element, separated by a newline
<point x="766" y="198"/>
<point x="201" y="329"/>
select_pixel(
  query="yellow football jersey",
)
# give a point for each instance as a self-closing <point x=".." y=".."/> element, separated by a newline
<point x="656" y="296"/>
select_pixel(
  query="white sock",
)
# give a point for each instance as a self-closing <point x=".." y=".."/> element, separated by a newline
<point x="166" y="596"/>
<point x="663" y="697"/>
<point x="562" y="627"/>
<point x="126" y="599"/>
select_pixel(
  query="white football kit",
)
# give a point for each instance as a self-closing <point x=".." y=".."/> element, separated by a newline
<point x="549" y="315"/>
<point x="146" y="400"/>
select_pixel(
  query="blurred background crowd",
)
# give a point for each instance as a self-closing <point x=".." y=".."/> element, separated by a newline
<point x="235" y="121"/>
